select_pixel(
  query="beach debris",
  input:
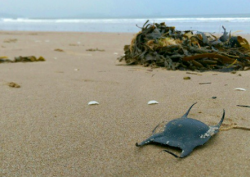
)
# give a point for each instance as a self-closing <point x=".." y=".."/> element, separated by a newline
<point x="115" y="53"/>
<point x="245" y="106"/>
<point x="184" y="133"/>
<point x="194" y="73"/>
<point x="59" y="50"/>
<point x="240" y="89"/>
<point x="153" y="102"/>
<point x="14" y="85"/>
<point x="21" y="59"/>
<point x="93" y="103"/>
<point x="76" y="69"/>
<point x="10" y="40"/>
<point x="4" y="59"/>
<point x="28" y="59"/>
<point x="96" y="49"/>
<point x="186" y="78"/>
<point x="214" y="97"/>
<point x="202" y="83"/>
<point x="159" y="45"/>
<point x="239" y="74"/>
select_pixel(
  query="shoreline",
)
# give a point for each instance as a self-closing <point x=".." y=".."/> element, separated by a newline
<point x="126" y="25"/>
<point x="245" y="35"/>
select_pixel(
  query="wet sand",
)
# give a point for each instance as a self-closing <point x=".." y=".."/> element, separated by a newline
<point x="47" y="127"/>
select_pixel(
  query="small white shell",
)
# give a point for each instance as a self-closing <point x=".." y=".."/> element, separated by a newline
<point x="115" y="53"/>
<point x="93" y="103"/>
<point x="153" y="102"/>
<point x="240" y="89"/>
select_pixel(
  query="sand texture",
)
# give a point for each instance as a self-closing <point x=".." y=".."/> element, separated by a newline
<point x="48" y="129"/>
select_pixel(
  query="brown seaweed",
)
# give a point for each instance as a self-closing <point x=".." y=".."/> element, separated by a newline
<point x="21" y="59"/>
<point x="28" y="59"/>
<point x="14" y="85"/>
<point x="96" y="49"/>
<point x="158" y="45"/>
<point x="59" y="50"/>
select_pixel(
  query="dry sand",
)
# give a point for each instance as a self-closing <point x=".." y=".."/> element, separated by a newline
<point x="48" y="129"/>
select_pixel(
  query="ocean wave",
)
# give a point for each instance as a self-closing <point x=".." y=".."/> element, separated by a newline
<point x="139" y="20"/>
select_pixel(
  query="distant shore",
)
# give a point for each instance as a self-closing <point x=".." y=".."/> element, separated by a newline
<point x="201" y="23"/>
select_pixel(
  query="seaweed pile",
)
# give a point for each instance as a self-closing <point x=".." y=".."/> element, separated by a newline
<point x="158" y="45"/>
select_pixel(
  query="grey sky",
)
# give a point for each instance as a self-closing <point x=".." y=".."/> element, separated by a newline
<point x="121" y="8"/>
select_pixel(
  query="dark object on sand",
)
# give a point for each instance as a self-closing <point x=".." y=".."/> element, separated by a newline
<point x="14" y="85"/>
<point x="186" y="78"/>
<point x="21" y="59"/>
<point x="59" y="50"/>
<point x="158" y="45"/>
<point x="184" y="133"/>
<point x="28" y="59"/>
<point x="10" y="40"/>
<point x="203" y="83"/>
<point x="245" y="106"/>
<point x="93" y="50"/>
<point x="4" y="59"/>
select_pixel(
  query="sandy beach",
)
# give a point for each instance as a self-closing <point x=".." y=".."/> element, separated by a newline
<point x="48" y="129"/>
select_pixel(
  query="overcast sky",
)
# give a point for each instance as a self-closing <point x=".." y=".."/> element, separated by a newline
<point x="122" y="8"/>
